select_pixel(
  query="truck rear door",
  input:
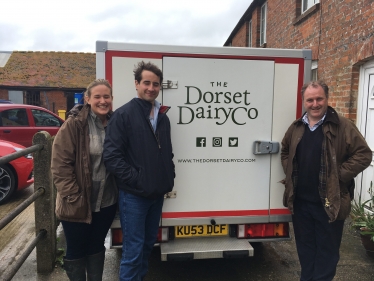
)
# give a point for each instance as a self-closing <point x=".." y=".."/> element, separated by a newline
<point x="220" y="109"/>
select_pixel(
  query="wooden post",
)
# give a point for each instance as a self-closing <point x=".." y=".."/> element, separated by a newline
<point x="45" y="217"/>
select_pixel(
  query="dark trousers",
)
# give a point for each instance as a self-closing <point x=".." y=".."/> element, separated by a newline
<point x="83" y="239"/>
<point x="317" y="241"/>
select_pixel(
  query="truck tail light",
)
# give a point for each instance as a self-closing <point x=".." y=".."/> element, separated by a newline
<point x="263" y="230"/>
<point x="163" y="234"/>
<point x="116" y="236"/>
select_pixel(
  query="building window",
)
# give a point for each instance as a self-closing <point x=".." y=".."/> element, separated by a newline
<point x="314" y="70"/>
<point x="263" y="24"/>
<point x="250" y="34"/>
<point x="33" y="98"/>
<point x="306" y="4"/>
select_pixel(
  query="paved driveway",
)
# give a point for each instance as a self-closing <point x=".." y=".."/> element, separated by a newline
<point x="271" y="261"/>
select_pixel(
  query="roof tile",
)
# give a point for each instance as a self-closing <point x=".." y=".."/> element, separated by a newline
<point x="49" y="69"/>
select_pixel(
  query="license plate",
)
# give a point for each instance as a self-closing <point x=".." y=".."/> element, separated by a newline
<point x="201" y="230"/>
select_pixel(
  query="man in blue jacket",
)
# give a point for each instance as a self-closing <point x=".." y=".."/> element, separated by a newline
<point x="138" y="151"/>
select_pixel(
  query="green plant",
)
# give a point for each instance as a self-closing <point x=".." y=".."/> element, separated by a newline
<point x="358" y="210"/>
<point x="60" y="252"/>
<point x="368" y="229"/>
<point x="358" y="213"/>
<point x="60" y="257"/>
<point x="362" y="217"/>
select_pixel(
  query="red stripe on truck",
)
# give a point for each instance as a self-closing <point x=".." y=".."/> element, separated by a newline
<point x="174" y="215"/>
<point x="280" y="212"/>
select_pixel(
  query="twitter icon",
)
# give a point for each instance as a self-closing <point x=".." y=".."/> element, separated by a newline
<point x="233" y="142"/>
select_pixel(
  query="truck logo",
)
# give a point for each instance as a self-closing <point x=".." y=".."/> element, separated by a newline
<point x="233" y="142"/>
<point x="217" y="142"/>
<point x="239" y="112"/>
<point x="200" y="142"/>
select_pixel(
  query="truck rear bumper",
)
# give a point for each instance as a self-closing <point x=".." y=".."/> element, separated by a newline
<point x="205" y="248"/>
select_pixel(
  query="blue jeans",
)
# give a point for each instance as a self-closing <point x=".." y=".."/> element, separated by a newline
<point x="140" y="218"/>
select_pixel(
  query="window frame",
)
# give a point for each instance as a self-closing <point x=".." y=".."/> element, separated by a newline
<point x="33" y="98"/>
<point x="308" y="3"/>
<point x="314" y="69"/>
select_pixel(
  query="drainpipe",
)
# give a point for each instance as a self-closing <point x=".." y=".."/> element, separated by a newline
<point x="46" y="99"/>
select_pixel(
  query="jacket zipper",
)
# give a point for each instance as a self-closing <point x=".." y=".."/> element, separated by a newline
<point x="158" y="142"/>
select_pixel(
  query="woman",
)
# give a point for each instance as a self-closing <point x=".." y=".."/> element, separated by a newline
<point x="86" y="192"/>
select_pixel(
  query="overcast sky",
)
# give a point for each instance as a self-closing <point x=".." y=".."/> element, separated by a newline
<point x="75" y="25"/>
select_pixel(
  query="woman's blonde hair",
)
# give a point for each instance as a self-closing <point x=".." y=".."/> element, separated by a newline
<point x="95" y="83"/>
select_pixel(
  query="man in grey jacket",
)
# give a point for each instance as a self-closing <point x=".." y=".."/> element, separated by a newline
<point x="138" y="151"/>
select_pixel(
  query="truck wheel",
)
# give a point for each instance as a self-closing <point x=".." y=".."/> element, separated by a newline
<point x="7" y="183"/>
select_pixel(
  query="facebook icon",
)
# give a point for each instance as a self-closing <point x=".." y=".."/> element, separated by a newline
<point x="200" y="142"/>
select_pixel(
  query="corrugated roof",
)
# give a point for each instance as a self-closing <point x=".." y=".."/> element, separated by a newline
<point x="48" y="70"/>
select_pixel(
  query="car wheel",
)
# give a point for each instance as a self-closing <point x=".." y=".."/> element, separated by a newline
<point x="7" y="183"/>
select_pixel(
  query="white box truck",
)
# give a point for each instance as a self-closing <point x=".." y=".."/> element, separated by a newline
<point x="230" y="108"/>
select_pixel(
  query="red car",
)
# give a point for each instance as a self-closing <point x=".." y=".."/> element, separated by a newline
<point x="17" y="174"/>
<point x="20" y="122"/>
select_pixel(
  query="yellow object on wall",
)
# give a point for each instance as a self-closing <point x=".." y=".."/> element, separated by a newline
<point x="62" y="113"/>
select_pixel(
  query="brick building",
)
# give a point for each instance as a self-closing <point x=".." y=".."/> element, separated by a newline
<point x="340" y="34"/>
<point x="46" y="79"/>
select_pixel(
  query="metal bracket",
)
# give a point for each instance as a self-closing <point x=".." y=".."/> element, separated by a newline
<point x="168" y="84"/>
<point x="265" y="147"/>
<point x="171" y="194"/>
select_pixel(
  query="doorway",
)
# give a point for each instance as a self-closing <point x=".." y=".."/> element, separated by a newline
<point x="365" y="123"/>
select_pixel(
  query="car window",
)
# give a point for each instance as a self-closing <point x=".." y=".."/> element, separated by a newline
<point x="44" y="119"/>
<point x="14" y="117"/>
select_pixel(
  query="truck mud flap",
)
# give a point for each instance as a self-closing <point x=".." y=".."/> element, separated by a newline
<point x="205" y="248"/>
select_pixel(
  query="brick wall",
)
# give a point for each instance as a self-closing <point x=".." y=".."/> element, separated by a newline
<point x="256" y="18"/>
<point x="4" y="94"/>
<point x="241" y="38"/>
<point x="340" y="34"/>
<point x="53" y="100"/>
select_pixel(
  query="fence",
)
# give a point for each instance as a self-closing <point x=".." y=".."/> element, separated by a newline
<point x="44" y="204"/>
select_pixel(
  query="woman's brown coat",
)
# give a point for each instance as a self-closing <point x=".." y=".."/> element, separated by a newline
<point x="71" y="169"/>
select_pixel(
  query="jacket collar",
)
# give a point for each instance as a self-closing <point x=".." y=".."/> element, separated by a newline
<point x="332" y="122"/>
<point x="147" y="106"/>
<point x="75" y="110"/>
<point x="80" y="112"/>
<point x="331" y="116"/>
<point x="164" y="109"/>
